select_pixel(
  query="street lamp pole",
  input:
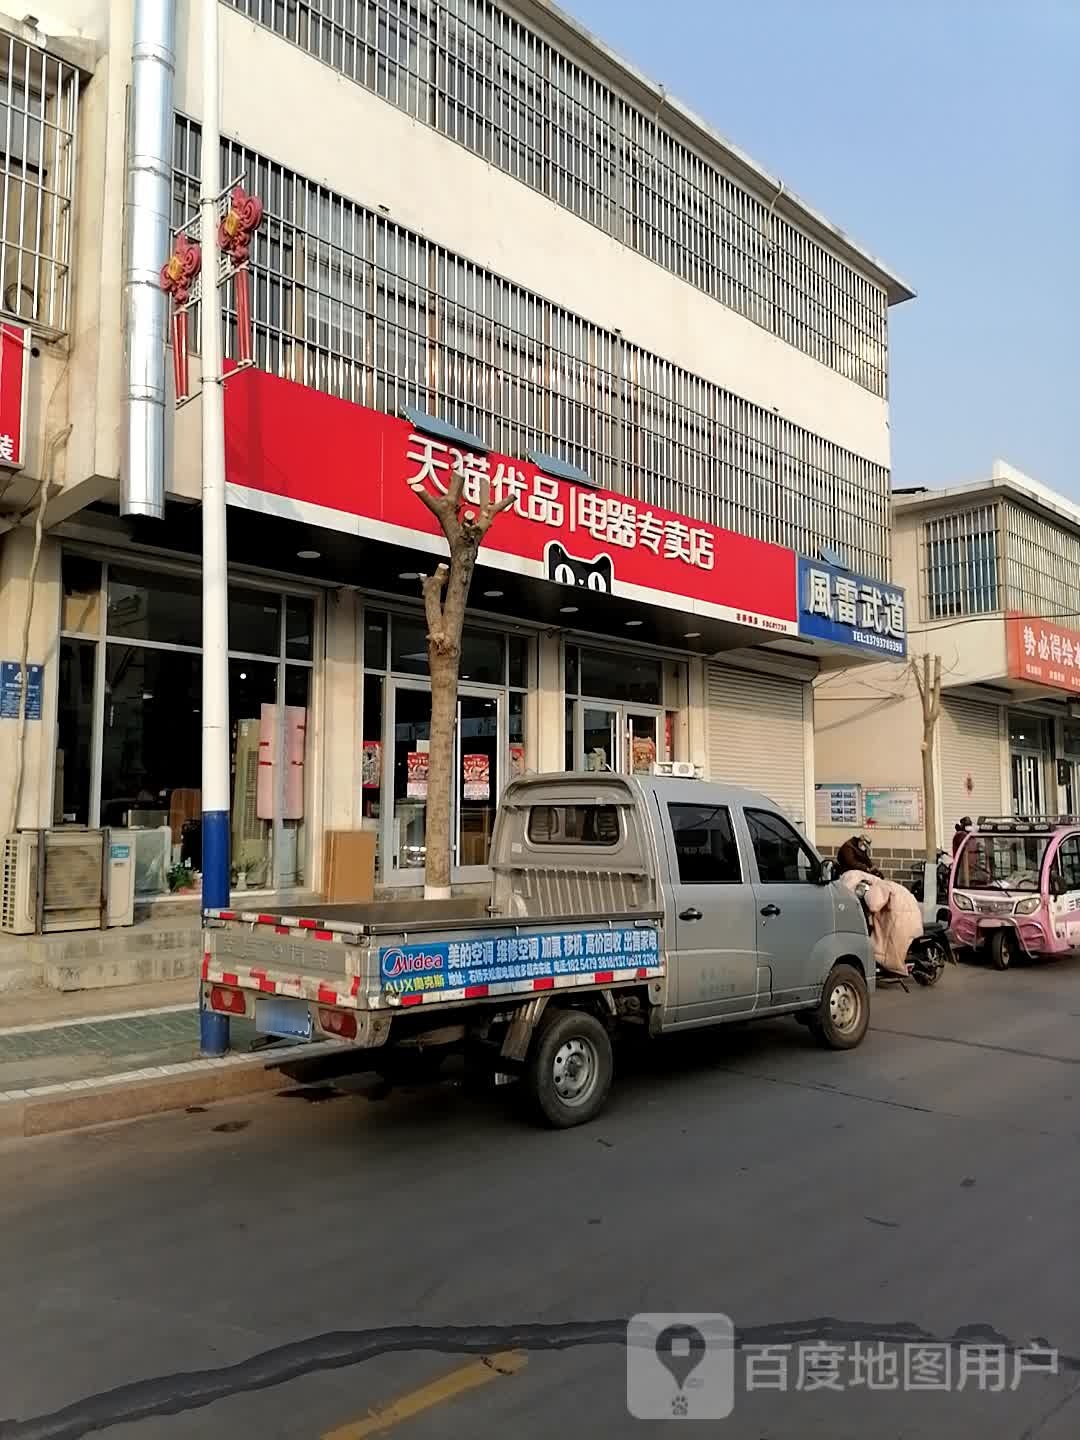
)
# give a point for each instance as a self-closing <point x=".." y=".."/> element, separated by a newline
<point x="213" y="1028"/>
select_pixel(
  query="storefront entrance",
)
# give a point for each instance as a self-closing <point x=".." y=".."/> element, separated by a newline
<point x="615" y="713"/>
<point x="489" y="742"/>
<point x="616" y="737"/>
<point x="479" y="742"/>
<point x="1027" y="763"/>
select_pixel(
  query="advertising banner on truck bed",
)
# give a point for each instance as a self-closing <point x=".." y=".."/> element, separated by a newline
<point x="464" y="965"/>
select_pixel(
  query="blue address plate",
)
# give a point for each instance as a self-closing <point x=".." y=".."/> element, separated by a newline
<point x="290" y="1018"/>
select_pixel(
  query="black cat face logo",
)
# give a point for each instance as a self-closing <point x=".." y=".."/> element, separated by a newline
<point x="563" y="568"/>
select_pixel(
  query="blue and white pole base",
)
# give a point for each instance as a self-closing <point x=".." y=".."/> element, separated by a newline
<point x="213" y="1027"/>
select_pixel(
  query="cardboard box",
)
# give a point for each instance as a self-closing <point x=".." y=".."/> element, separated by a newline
<point x="349" y="865"/>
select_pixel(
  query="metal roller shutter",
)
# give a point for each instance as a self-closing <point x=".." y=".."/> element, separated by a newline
<point x="756" y="733"/>
<point x="970" y="745"/>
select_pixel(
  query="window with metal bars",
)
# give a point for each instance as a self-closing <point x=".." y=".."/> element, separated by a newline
<point x="1042" y="566"/>
<point x="488" y="81"/>
<point x="39" y="98"/>
<point x="961" y="571"/>
<point x="348" y="302"/>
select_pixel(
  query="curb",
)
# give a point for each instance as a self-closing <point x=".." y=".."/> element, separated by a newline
<point x="53" y="1109"/>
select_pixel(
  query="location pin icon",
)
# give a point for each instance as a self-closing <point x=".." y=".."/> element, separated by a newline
<point x="679" y="1349"/>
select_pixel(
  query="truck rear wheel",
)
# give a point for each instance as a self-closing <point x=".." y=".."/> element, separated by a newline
<point x="840" y="1021"/>
<point x="569" y="1069"/>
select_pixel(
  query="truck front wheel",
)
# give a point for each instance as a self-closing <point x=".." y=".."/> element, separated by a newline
<point x="840" y="1021"/>
<point x="569" y="1069"/>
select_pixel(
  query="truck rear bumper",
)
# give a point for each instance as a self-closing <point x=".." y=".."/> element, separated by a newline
<point x="325" y="1017"/>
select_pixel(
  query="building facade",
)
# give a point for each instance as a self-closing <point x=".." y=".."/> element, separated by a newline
<point x="486" y="241"/>
<point x="993" y="572"/>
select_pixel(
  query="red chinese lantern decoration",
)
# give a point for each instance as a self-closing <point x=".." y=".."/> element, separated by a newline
<point x="177" y="277"/>
<point x="243" y="218"/>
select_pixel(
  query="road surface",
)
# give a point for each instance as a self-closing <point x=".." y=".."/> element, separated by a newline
<point x="283" y="1267"/>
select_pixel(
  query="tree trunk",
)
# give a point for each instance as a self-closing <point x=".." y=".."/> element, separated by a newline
<point x="928" y="682"/>
<point x="438" y="848"/>
<point x="446" y="594"/>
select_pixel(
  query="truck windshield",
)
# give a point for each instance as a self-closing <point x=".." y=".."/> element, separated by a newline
<point x="1001" y="862"/>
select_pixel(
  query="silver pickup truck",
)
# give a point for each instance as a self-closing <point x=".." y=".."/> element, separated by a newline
<point x="617" y="901"/>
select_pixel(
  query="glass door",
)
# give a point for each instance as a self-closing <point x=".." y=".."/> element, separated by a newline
<point x="477" y="754"/>
<point x="642" y="742"/>
<point x="406" y="778"/>
<point x="599" y="729"/>
<point x="1027" y="784"/>
<point x="614" y="737"/>
<point x="479" y="747"/>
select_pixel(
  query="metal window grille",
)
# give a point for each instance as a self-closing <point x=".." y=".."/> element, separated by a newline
<point x="486" y="80"/>
<point x="39" y="98"/>
<point x="347" y="302"/>
<point x="961" y="563"/>
<point x="1042" y="566"/>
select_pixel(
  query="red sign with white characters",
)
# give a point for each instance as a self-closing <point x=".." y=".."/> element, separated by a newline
<point x="300" y="454"/>
<point x="14" y="374"/>
<point x="1043" y="652"/>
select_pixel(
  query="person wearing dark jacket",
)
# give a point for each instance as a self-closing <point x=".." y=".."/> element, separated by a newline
<point x="960" y="833"/>
<point x="854" y="854"/>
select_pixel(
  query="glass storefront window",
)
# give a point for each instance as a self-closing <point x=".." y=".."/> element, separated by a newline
<point x="375" y="626"/>
<point x="371" y="763"/>
<point x="254" y="774"/>
<point x="408" y="646"/>
<point x="254" y="621"/>
<point x="618" y="675"/>
<point x="483" y="657"/>
<point x="573" y="686"/>
<point x="299" y="627"/>
<point x="483" y="652"/>
<point x="151" y="755"/>
<point x="161" y="607"/>
<point x="292" y="864"/>
<point x="81" y="587"/>
<point x="75" y="728"/>
<point x="518" y="661"/>
<point x="515" y="733"/>
<point x="150" y="717"/>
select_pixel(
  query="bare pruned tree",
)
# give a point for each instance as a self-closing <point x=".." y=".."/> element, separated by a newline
<point x="446" y="595"/>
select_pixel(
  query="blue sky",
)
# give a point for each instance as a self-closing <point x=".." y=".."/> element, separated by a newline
<point x="945" y="138"/>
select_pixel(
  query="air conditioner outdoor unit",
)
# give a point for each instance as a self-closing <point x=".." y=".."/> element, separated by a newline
<point x="18" y="884"/>
<point x="72" y="895"/>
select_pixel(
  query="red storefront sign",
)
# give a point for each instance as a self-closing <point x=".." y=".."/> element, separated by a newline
<point x="1045" y="653"/>
<point x="299" y="454"/>
<point x="14" y="375"/>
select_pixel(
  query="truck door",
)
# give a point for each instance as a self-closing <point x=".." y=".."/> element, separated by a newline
<point x="714" y="958"/>
<point x="794" y="910"/>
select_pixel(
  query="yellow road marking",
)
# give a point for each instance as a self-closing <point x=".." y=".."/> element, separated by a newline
<point x="446" y="1387"/>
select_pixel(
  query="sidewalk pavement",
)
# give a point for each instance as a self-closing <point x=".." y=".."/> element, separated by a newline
<point x="91" y="1057"/>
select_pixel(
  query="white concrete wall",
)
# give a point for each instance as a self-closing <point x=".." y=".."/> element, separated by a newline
<point x="304" y="115"/>
<point x="39" y="743"/>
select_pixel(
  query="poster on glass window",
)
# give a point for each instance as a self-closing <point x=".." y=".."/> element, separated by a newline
<point x="416" y="774"/>
<point x="476" y="777"/>
<point x="371" y="764"/>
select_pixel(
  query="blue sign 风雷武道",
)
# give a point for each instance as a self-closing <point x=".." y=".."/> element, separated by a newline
<point x="848" y="609"/>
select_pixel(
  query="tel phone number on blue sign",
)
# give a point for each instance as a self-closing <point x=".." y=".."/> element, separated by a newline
<point x="457" y="964"/>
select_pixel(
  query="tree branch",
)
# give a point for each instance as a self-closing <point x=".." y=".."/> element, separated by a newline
<point x="433" y="588"/>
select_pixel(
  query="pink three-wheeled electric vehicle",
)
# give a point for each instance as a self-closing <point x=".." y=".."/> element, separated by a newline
<point x="1015" y="888"/>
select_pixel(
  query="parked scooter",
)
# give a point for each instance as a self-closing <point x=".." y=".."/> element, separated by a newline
<point x="944" y="866"/>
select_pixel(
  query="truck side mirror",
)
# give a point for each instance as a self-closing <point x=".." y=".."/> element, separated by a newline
<point x="827" y="872"/>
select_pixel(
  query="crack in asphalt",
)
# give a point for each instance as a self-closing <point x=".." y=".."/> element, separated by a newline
<point x="980" y="1045"/>
<point x="195" y="1389"/>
